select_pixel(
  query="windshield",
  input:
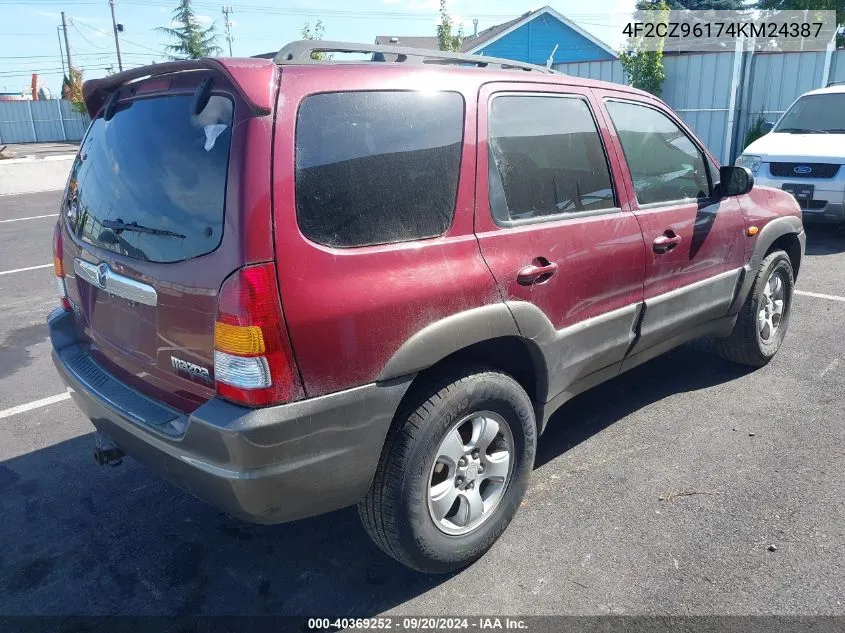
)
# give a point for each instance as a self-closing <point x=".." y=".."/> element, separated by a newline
<point x="151" y="182"/>
<point x="819" y="114"/>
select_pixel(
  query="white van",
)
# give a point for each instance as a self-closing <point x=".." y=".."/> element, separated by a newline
<point x="805" y="154"/>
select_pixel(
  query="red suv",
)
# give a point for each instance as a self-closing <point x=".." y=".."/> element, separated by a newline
<point x="291" y="285"/>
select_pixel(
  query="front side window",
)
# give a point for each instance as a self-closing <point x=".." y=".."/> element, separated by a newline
<point x="665" y="164"/>
<point x="377" y="167"/>
<point x="545" y="158"/>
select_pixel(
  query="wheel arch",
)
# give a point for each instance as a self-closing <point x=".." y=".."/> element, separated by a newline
<point x="790" y="243"/>
<point x="785" y="233"/>
<point x="486" y="336"/>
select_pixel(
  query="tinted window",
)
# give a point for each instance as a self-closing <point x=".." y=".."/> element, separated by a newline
<point x="546" y="158"/>
<point x="377" y="167"/>
<point x="158" y="169"/>
<point x="815" y="113"/>
<point x="665" y="164"/>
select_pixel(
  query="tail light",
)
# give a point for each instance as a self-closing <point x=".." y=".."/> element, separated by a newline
<point x="58" y="266"/>
<point x="253" y="359"/>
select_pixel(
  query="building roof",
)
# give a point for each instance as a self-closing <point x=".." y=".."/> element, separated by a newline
<point x="473" y="43"/>
<point x="429" y="43"/>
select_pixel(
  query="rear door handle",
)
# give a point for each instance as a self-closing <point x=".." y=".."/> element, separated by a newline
<point x="538" y="272"/>
<point x="666" y="242"/>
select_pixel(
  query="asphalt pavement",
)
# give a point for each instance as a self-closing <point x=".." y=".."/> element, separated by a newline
<point x="660" y="492"/>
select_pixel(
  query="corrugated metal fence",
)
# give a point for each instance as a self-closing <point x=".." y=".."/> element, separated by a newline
<point x="40" y="121"/>
<point x="700" y="87"/>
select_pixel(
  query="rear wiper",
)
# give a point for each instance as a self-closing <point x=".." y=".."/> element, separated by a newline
<point x="120" y="225"/>
<point x="802" y="130"/>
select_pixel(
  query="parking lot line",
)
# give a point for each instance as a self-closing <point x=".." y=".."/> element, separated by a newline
<point x="23" y="270"/>
<point x="32" y="217"/>
<point x="819" y="295"/>
<point x="36" y="404"/>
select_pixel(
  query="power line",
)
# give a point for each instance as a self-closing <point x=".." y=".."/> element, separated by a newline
<point x="77" y="54"/>
<point x="47" y="71"/>
<point x="82" y="35"/>
<point x="94" y="28"/>
<point x="282" y="10"/>
<point x="89" y="57"/>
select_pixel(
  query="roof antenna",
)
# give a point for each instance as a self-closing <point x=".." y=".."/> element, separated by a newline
<point x="551" y="59"/>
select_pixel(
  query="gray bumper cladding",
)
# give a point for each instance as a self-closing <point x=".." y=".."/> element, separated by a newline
<point x="266" y="465"/>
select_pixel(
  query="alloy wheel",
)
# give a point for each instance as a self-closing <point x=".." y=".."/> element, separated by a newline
<point x="772" y="305"/>
<point x="471" y="472"/>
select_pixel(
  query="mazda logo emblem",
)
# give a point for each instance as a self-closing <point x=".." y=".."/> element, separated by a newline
<point x="802" y="170"/>
<point x="102" y="274"/>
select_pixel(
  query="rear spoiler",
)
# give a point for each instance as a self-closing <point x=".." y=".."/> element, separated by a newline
<point x="254" y="79"/>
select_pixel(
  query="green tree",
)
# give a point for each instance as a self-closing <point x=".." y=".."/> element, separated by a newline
<point x="72" y="89"/>
<point x="645" y="66"/>
<point x="191" y="40"/>
<point x="316" y="34"/>
<point x="810" y="5"/>
<point x="446" y="40"/>
<point x="698" y="5"/>
<point x="755" y="131"/>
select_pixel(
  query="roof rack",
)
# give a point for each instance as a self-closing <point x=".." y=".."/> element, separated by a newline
<point x="300" y="52"/>
<point x="834" y="83"/>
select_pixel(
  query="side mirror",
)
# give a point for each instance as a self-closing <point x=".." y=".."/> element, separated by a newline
<point x="766" y="126"/>
<point x="734" y="180"/>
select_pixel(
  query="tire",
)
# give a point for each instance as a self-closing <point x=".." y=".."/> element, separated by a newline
<point x="748" y="344"/>
<point x="398" y="512"/>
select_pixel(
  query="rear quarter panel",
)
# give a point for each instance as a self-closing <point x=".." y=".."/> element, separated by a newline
<point x="350" y="309"/>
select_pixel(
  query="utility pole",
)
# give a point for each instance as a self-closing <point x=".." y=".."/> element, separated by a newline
<point x="67" y="45"/>
<point x="115" y="26"/>
<point x="61" y="51"/>
<point x="228" y="25"/>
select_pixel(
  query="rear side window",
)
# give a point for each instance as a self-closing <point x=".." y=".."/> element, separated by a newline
<point x="151" y="182"/>
<point x="546" y="158"/>
<point x="377" y="167"/>
<point x="665" y="164"/>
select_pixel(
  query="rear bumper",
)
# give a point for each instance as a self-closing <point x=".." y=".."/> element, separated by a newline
<point x="266" y="465"/>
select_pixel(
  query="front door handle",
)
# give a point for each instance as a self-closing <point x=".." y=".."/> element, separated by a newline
<point x="666" y="242"/>
<point x="536" y="273"/>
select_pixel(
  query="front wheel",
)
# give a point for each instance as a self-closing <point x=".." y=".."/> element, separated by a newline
<point x="763" y="319"/>
<point x="453" y="471"/>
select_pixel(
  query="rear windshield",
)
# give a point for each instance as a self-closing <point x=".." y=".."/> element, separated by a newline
<point x="377" y="167"/>
<point x="151" y="182"/>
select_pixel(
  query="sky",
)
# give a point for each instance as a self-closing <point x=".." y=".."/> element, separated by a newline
<point x="29" y="40"/>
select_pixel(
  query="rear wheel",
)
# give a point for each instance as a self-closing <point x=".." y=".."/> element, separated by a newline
<point x="453" y="471"/>
<point x="763" y="319"/>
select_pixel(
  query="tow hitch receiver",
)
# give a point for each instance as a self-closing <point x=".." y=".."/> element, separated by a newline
<point x="106" y="452"/>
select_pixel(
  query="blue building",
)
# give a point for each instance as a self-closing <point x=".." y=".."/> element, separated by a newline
<point x="533" y="37"/>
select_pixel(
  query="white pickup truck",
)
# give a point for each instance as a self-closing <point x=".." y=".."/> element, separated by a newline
<point x="805" y="154"/>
